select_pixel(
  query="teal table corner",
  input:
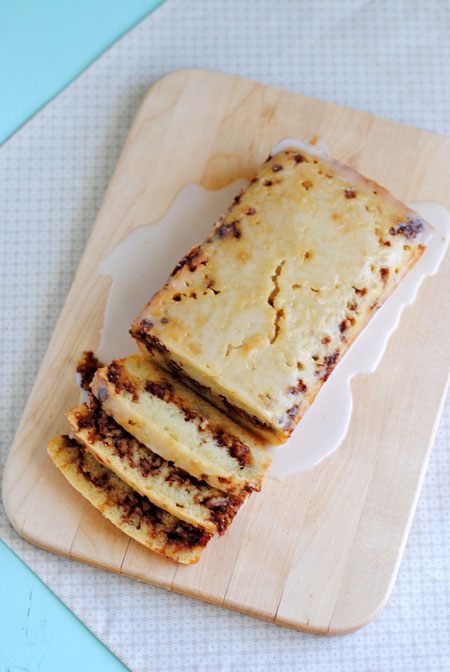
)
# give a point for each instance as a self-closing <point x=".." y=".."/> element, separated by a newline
<point x="45" y="44"/>
<point x="38" y="633"/>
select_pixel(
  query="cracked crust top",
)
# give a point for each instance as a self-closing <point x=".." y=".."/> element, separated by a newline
<point x="258" y="315"/>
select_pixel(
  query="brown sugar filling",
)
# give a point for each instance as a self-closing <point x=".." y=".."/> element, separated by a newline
<point x="135" y="508"/>
<point x="236" y="448"/>
<point x="153" y="344"/>
<point x="103" y="428"/>
<point x="87" y="365"/>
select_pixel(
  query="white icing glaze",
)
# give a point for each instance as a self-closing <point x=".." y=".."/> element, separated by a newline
<point x="141" y="263"/>
<point x="324" y="425"/>
<point x="316" y="146"/>
<point x="84" y="395"/>
<point x="320" y="148"/>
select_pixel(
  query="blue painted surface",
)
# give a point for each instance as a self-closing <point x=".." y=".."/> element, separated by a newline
<point x="44" y="44"/>
<point x="38" y="633"/>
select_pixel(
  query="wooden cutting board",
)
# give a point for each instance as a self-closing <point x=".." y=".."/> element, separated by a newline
<point x="320" y="550"/>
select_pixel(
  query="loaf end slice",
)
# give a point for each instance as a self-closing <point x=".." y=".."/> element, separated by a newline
<point x="132" y="514"/>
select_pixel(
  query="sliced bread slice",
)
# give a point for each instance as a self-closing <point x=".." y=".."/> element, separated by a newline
<point x="182" y="427"/>
<point x="130" y="512"/>
<point x="160" y="481"/>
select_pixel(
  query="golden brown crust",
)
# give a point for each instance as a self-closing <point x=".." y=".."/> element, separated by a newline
<point x="87" y="364"/>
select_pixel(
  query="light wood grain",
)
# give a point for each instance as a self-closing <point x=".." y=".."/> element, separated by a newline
<point x="319" y="551"/>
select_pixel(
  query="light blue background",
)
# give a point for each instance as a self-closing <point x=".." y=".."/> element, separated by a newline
<point x="38" y="632"/>
<point x="45" y="44"/>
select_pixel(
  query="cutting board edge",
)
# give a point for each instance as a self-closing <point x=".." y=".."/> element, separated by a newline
<point x="14" y="519"/>
<point x="337" y="106"/>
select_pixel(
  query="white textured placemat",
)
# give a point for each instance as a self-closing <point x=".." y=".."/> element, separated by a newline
<point x="389" y="57"/>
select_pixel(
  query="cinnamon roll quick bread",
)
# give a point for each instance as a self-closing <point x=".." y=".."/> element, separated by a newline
<point x="234" y="348"/>
<point x="257" y="316"/>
